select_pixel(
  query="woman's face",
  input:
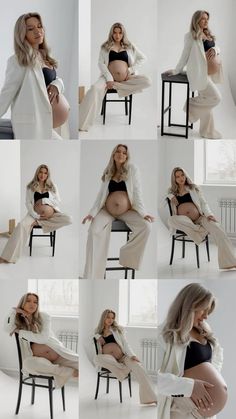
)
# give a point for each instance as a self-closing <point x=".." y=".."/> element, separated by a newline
<point x="109" y="320"/>
<point x="203" y="22"/>
<point x="200" y="315"/>
<point x="34" y="32"/>
<point x="180" y="178"/>
<point x="31" y="304"/>
<point x="42" y="174"/>
<point x="120" y="156"/>
<point x="117" y="35"/>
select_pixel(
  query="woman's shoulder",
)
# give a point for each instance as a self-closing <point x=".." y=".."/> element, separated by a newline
<point x="132" y="167"/>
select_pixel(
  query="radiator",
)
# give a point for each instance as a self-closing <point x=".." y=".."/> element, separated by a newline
<point x="149" y="355"/>
<point x="228" y="216"/>
<point x="69" y="339"/>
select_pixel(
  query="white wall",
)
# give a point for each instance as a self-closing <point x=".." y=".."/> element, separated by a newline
<point x="85" y="43"/>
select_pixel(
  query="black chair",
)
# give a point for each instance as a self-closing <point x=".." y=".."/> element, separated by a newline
<point x="52" y="236"/>
<point x="32" y="378"/>
<point x="127" y="100"/>
<point x="119" y="226"/>
<point x="107" y="374"/>
<point x="180" y="236"/>
<point x="6" y="132"/>
<point x="170" y="80"/>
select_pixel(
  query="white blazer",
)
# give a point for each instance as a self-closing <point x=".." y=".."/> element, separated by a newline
<point x="46" y="337"/>
<point x="133" y="185"/>
<point x="25" y="91"/>
<point x="198" y="200"/>
<point x="53" y="201"/>
<point x="120" y="340"/>
<point x="135" y="59"/>
<point x="170" y="365"/>
<point x="194" y="58"/>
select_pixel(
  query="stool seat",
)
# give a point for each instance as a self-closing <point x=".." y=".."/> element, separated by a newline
<point x="175" y="78"/>
<point x="6" y="132"/>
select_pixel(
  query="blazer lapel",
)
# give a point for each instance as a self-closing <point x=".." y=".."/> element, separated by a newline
<point x="40" y="79"/>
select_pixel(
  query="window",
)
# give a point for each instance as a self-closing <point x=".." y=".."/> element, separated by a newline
<point x="57" y="297"/>
<point x="220" y="162"/>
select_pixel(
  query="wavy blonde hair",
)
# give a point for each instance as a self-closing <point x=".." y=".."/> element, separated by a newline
<point x="100" y="327"/>
<point x="34" y="183"/>
<point x="125" y="43"/>
<point x="26" y="54"/>
<point x="195" y="28"/>
<point x="174" y="188"/>
<point x="180" y="317"/>
<point x="35" y="324"/>
<point x="111" y="169"/>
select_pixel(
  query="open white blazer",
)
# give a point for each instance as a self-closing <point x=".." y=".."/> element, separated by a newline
<point x="170" y="366"/>
<point x="120" y="340"/>
<point x="53" y="201"/>
<point x="194" y="58"/>
<point x="25" y="91"/>
<point x="133" y="185"/>
<point x="135" y="60"/>
<point x="198" y="200"/>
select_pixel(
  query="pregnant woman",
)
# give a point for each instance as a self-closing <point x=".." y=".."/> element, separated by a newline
<point x="42" y="352"/>
<point x="32" y="87"/>
<point x="201" y="58"/>
<point x="189" y="359"/>
<point x="193" y="216"/>
<point x="118" y="62"/>
<point x="119" y="198"/>
<point x="116" y="355"/>
<point x="42" y="203"/>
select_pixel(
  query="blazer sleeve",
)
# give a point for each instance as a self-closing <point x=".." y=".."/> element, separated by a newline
<point x="96" y="206"/>
<point x="103" y="65"/>
<point x="13" y="80"/>
<point x="59" y="84"/>
<point x="41" y="337"/>
<point x="9" y="324"/>
<point x="139" y="59"/>
<point x="204" y="206"/>
<point x="53" y="200"/>
<point x="30" y="204"/>
<point x="188" y="41"/>
<point x="138" y="204"/>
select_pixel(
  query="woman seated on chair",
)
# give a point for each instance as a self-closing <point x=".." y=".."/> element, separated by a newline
<point x="115" y="354"/>
<point x="42" y="352"/>
<point x="192" y="215"/>
<point x="42" y="202"/>
<point x="119" y="198"/>
<point x="118" y="63"/>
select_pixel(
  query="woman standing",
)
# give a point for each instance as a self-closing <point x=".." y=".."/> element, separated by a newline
<point x="116" y="355"/>
<point x="42" y="203"/>
<point x="32" y="87"/>
<point x="201" y="58"/>
<point x="192" y="215"/>
<point x="118" y="63"/>
<point x="119" y="198"/>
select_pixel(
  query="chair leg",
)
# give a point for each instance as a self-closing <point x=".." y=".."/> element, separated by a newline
<point x="31" y="242"/>
<point x="126" y="273"/>
<point x="130" y="107"/>
<point x="129" y="381"/>
<point x="197" y="255"/>
<point x="183" y="248"/>
<point x="33" y="391"/>
<point x="126" y="106"/>
<point x="50" y="391"/>
<point x="172" y="250"/>
<point x="133" y="274"/>
<point x="107" y="389"/>
<point x="63" y="398"/>
<point x="207" y="249"/>
<point x="51" y="238"/>
<point x="97" y="388"/>
<point x="104" y="109"/>
<point x="120" y="391"/>
<point x="19" y="395"/>
<point x="54" y="243"/>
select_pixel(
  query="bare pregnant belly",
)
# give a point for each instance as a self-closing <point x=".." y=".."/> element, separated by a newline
<point x="44" y="210"/>
<point x="207" y="372"/>
<point x="119" y="70"/>
<point x="60" y="111"/>
<point x="188" y="209"/>
<point x="44" y="351"/>
<point x="213" y="65"/>
<point x="117" y="203"/>
<point x="112" y="349"/>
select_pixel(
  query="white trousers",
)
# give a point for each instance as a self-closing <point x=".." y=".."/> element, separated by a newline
<point x="200" y="107"/>
<point x="123" y="367"/>
<point x="184" y="408"/>
<point x="16" y="243"/>
<point x="92" y="102"/>
<point x="61" y="369"/>
<point x="197" y="232"/>
<point x="131" y="254"/>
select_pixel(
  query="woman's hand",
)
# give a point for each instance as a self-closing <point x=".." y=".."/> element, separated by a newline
<point x="134" y="358"/>
<point x="21" y="311"/>
<point x="200" y="395"/>
<point x="211" y="218"/>
<point x="110" y="84"/>
<point x="53" y="93"/>
<point x="174" y="201"/>
<point x="210" y="54"/>
<point x="169" y="72"/>
<point x="87" y="218"/>
<point x="149" y="218"/>
<point x="101" y="341"/>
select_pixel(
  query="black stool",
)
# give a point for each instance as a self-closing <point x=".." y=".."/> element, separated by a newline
<point x="6" y="132"/>
<point x="52" y="236"/>
<point x="127" y="100"/>
<point x="179" y="79"/>
<point x="119" y="226"/>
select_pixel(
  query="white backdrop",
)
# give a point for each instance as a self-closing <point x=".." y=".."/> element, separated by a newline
<point x="85" y="43"/>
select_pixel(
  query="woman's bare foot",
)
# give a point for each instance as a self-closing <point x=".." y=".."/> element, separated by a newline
<point x="3" y="260"/>
<point x="154" y="402"/>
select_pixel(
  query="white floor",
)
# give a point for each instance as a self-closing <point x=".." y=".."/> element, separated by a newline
<point x="40" y="410"/>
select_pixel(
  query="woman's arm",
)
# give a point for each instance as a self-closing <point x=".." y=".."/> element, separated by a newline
<point x="29" y="202"/>
<point x="97" y="204"/>
<point x="59" y="84"/>
<point x="54" y="198"/>
<point x="102" y="64"/>
<point x="139" y="59"/>
<point x="13" y="80"/>
<point x="137" y="204"/>
<point x="188" y="41"/>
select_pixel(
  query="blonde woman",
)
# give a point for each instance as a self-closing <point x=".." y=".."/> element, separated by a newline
<point x="119" y="198"/>
<point x="201" y="58"/>
<point x="42" y="203"/>
<point x="32" y="87"/>
<point x="118" y="62"/>
<point x="192" y="215"/>
<point x="42" y="352"/>
<point x="116" y="355"/>
<point x="189" y="359"/>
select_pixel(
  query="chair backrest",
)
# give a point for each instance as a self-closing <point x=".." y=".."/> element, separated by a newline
<point x="18" y="350"/>
<point x="96" y="345"/>
<point x="169" y="205"/>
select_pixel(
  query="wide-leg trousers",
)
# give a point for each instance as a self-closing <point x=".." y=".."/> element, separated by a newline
<point x="16" y="243"/>
<point x="131" y="254"/>
<point x="198" y="230"/>
<point x="184" y="408"/>
<point x="92" y="102"/>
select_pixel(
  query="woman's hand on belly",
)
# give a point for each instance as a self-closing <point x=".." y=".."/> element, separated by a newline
<point x="210" y="54"/>
<point x="52" y="93"/>
<point x="200" y="395"/>
<point x="45" y="211"/>
<point x="211" y="218"/>
<point x="118" y="203"/>
<point x="43" y="351"/>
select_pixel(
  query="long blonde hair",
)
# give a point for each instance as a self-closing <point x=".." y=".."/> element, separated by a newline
<point x="125" y="43"/>
<point x="111" y="168"/>
<point x="100" y="327"/>
<point x="35" y="324"/>
<point x="34" y="183"/>
<point x="26" y="55"/>
<point x="174" y="188"/>
<point x="180" y="317"/>
<point x="195" y="28"/>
